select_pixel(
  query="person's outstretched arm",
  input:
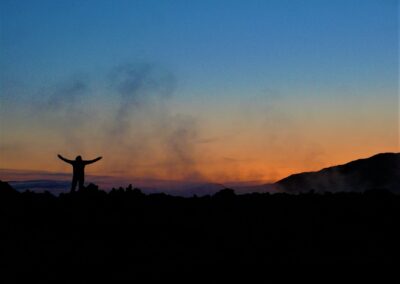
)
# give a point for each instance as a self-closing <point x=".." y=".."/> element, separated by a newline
<point x="92" y="161"/>
<point x="65" y="160"/>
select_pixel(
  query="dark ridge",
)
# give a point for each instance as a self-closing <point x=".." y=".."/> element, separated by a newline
<point x="381" y="171"/>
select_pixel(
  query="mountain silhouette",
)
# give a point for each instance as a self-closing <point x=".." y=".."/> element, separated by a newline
<point x="379" y="172"/>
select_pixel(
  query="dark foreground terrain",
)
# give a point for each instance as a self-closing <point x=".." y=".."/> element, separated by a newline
<point x="125" y="231"/>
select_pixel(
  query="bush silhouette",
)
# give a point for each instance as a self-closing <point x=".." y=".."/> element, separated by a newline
<point x="125" y="231"/>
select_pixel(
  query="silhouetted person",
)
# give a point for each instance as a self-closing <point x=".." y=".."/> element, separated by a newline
<point x="78" y="165"/>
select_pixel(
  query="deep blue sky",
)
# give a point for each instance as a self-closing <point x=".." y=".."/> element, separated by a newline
<point x="235" y="44"/>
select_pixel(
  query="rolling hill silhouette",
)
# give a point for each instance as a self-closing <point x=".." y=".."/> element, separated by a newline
<point x="381" y="171"/>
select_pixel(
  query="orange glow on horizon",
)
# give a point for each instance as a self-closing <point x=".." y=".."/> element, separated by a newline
<point x="237" y="145"/>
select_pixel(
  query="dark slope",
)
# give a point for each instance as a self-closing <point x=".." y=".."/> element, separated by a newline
<point x="381" y="171"/>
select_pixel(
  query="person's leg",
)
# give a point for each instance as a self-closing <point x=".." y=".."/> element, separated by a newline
<point x="73" y="185"/>
<point x="81" y="183"/>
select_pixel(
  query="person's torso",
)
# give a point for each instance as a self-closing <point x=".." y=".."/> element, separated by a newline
<point x="78" y="168"/>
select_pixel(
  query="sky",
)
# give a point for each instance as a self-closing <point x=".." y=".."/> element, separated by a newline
<point x="197" y="90"/>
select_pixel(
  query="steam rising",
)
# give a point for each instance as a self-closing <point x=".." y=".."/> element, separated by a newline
<point x="129" y="118"/>
<point x="138" y="86"/>
<point x="131" y="124"/>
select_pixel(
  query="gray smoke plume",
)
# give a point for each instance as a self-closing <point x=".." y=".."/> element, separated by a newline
<point x="67" y="95"/>
<point x="143" y="131"/>
<point x="140" y="86"/>
<point x="65" y="108"/>
<point x="181" y="147"/>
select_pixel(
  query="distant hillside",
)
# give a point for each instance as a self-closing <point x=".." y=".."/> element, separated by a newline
<point x="381" y="171"/>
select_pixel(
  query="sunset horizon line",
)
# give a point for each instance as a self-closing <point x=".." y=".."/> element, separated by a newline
<point x="19" y="174"/>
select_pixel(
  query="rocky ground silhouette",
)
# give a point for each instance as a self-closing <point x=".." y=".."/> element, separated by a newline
<point x="109" y="234"/>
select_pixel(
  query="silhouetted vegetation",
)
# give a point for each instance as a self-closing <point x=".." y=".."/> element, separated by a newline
<point x="127" y="232"/>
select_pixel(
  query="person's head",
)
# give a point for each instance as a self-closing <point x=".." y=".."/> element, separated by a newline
<point x="78" y="158"/>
